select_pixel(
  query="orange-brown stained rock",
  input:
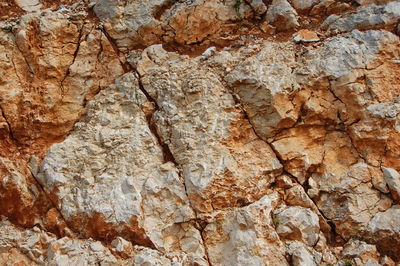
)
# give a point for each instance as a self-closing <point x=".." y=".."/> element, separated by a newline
<point x="96" y="227"/>
<point x="53" y="69"/>
<point x="56" y="3"/>
<point x="52" y="64"/>
<point x="15" y="257"/>
<point x="305" y="36"/>
<point x="22" y="199"/>
<point x="55" y="223"/>
<point x="232" y="190"/>
<point x="8" y="9"/>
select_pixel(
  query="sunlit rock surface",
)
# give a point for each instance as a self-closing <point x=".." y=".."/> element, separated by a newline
<point x="201" y="132"/>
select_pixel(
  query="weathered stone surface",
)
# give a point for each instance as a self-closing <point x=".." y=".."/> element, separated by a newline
<point x="392" y="178"/>
<point x="365" y="17"/>
<point x="302" y="255"/>
<point x="282" y="15"/>
<point x="297" y="223"/>
<point x="258" y="6"/>
<point x="305" y="36"/>
<point x="209" y="138"/>
<point x="21" y="197"/>
<point x="37" y="247"/>
<point x="384" y="230"/>
<point x="227" y="137"/>
<point x="264" y="82"/>
<point x="29" y="5"/>
<point x="130" y="198"/>
<point x="139" y="23"/>
<point x="304" y="4"/>
<point x="245" y="236"/>
<point x="366" y="253"/>
<point x="57" y="61"/>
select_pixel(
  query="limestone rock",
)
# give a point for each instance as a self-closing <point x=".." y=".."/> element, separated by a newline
<point x="29" y="5"/>
<point x="199" y="132"/>
<point x="367" y="253"/>
<point x="121" y="199"/>
<point x="36" y="247"/>
<point x="302" y="255"/>
<point x="282" y="15"/>
<point x="304" y="4"/>
<point x="370" y="2"/>
<point x="22" y="199"/>
<point x="384" y="230"/>
<point x="330" y="7"/>
<point x="184" y="22"/>
<point x="365" y="17"/>
<point x="122" y="247"/>
<point x="258" y="6"/>
<point x="305" y="36"/>
<point x="245" y="236"/>
<point x="209" y="138"/>
<point x="392" y="178"/>
<point x="378" y="180"/>
<point x="41" y="248"/>
<point x="297" y="196"/>
<point x="56" y="61"/>
<point x="264" y="83"/>
<point x="297" y="223"/>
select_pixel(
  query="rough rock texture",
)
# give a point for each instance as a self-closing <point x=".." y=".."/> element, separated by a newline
<point x="367" y="17"/>
<point x="199" y="132"/>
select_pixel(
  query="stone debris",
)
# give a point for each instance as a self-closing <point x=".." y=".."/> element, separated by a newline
<point x="209" y="52"/>
<point x="305" y="36"/>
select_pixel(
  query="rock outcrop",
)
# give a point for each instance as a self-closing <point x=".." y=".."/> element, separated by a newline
<point x="199" y="132"/>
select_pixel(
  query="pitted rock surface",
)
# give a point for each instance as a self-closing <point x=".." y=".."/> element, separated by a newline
<point x="199" y="132"/>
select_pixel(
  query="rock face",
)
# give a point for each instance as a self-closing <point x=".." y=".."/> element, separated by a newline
<point x="199" y="132"/>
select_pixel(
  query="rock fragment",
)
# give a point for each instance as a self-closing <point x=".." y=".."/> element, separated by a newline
<point x="392" y="178"/>
<point x="297" y="223"/>
<point x="304" y="4"/>
<point x="384" y="231"/>
<point x="305" y="36"/>
<point x="282" y="15"/>
<point x="365" y="17"/>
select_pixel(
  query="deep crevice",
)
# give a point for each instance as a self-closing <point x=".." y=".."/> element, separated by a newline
<point x="125" y="65"/>
<point x="168" y="156"/>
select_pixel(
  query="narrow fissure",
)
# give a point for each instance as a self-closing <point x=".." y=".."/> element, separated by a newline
<point x="333" y="230"/>
<point x="167" y="154"/>
<point x="53" y="205"/>
<point x="23" y="55"/>
<point x="73" y="60"/>
<point x="10" y="130"/>
<point x="125" y="65"/>
<point x="201" y="230"/>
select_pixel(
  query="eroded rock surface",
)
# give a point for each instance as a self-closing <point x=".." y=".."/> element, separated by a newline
<point x="201" y="132"/>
